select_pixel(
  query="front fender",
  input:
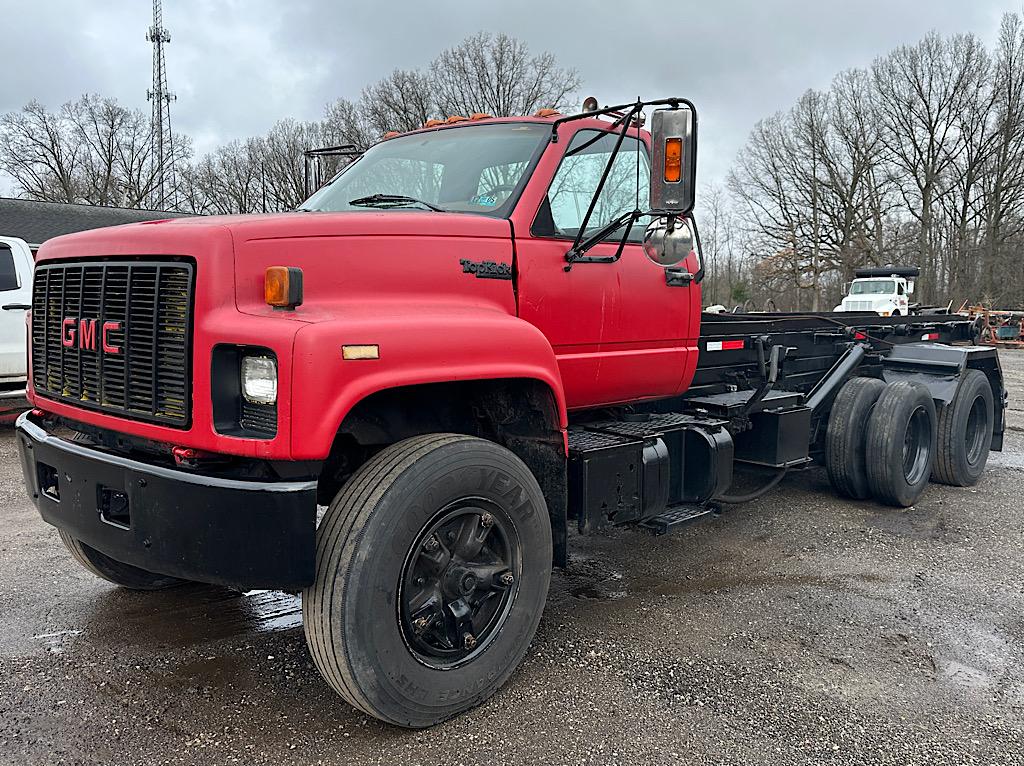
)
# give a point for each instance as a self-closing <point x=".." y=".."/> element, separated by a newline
<point x="430" y="345"/>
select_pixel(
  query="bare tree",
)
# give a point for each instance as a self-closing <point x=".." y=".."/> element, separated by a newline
<point x="918" y="160"/>
<point x="92" y="150"/>
<point x="1003" y="180"/>
<point x="402" y="101"/>
<point x="495" y="74"/>
<point x="226" y="181"/>
<point x="921" y="91"/>
<point x="38" y="150"/>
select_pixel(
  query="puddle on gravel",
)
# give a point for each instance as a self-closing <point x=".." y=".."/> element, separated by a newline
<point x="192" y="615"/>
<point x="591" y="582"/>
<point x="918" y="522"/>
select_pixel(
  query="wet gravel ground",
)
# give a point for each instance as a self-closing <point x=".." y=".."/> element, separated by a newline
<point x="799" y="628"/>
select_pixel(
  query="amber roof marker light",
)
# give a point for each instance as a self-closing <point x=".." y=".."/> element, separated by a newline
<point x="282" y="287"/>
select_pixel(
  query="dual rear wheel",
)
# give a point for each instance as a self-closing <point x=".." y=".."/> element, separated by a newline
<point x="887" y="441"/>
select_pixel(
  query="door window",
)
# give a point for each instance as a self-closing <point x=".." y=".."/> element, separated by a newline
<point x="577" y="178"/>
<point x="8" y="271"/>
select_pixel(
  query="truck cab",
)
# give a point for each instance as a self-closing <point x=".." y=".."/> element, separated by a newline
<point x="883" y="290"/>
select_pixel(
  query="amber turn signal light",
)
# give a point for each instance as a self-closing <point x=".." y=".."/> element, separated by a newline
<point x="673" y="160"/>
<point x="282" y="287"/>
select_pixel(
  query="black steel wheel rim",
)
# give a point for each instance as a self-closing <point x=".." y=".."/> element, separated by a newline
<point x="976" y="431"/>
<point x="458" y="582"/>
<point x="916" y="446"/>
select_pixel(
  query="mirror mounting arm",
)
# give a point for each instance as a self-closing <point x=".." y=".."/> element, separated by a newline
<point x="576" y="245"/>
<point x="577" y="253"/>
<point x="698" y="275"/>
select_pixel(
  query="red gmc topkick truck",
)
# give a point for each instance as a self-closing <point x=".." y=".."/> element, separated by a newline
<point x="398" y="398"/>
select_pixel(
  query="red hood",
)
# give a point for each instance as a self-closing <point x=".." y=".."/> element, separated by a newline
<point x="367" y="256"/>
<point x="154" y="237"/>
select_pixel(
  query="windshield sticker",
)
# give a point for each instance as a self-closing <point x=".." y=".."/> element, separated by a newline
<point x="484" y="200"/>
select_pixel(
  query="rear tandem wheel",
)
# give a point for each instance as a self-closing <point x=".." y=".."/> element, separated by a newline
<point x="845" y="437"/>
<point x="900" y="443"/>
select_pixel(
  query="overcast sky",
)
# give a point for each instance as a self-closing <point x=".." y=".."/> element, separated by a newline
<point x="237" y="67"/>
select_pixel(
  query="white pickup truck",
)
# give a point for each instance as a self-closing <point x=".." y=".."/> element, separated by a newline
<point x="15" y="299"/>
<point x="883" y="289"/>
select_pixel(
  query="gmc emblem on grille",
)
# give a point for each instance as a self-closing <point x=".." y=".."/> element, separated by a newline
<point x="82" y="333"/>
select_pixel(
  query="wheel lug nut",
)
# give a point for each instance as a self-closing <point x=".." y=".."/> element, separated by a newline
<point x="431" y="544"/>
<point x="507" y="579"/>
<point x="468" y="640"/>
<point x="486" y="520"/>
<point x="420" y="580"/>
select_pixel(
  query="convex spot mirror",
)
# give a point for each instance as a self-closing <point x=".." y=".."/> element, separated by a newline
<point x="668" y="240"/>
<point x="674" y="160"/>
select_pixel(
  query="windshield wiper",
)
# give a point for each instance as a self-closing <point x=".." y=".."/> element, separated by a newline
<point x="393" y="200"/>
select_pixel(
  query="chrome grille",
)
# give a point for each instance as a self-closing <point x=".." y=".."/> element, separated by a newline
<point x="141" y="311"/>
<point x="858" y="305"/>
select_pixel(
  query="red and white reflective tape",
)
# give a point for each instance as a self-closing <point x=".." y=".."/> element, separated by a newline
<point x="723" y="345"/>
<point x="930" y="336"/>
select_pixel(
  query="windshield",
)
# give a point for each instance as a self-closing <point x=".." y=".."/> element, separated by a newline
<point x="873" y="287"/>
<point x="471" y="169"/>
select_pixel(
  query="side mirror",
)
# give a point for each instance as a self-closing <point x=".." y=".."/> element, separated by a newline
<point x="674" y="160"/>
<point x="910" y="287"/>
<point x="668" y="240"/>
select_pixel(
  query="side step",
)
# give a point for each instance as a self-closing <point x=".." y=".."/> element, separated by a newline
<point x="673" y="518"/>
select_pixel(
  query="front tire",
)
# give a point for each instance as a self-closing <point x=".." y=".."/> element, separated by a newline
<point x="106" y="568"/>
<point x="433" y="564"/>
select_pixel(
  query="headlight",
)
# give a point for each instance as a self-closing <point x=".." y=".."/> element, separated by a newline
<point x="259" y="379"/>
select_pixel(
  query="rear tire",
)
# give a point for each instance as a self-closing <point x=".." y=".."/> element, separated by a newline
<point x="433" y="538"/>
<point x="965" y="432"/>
<point x="845" y="437"/>
<point x="901" y="443"/>
<point x="106" y="568"/>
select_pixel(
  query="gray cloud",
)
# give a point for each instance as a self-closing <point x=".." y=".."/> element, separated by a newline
<point x="237" y="67"/>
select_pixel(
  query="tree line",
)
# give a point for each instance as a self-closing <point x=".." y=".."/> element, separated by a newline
<point x="917" y="159"/>
<point x="97" y="151"/>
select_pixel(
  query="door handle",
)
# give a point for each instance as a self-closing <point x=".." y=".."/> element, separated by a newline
<point x="678" y="277"/>
<point x="16" y="306"/>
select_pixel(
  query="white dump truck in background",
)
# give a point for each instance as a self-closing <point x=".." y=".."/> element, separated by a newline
<point x="15" y="299"/>
<point x="882" y="289"/>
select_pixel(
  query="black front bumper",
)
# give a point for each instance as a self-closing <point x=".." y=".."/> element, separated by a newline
<point x="243" y="534"/>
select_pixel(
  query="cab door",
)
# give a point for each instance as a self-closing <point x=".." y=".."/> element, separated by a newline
<point x="621" y="331"/>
